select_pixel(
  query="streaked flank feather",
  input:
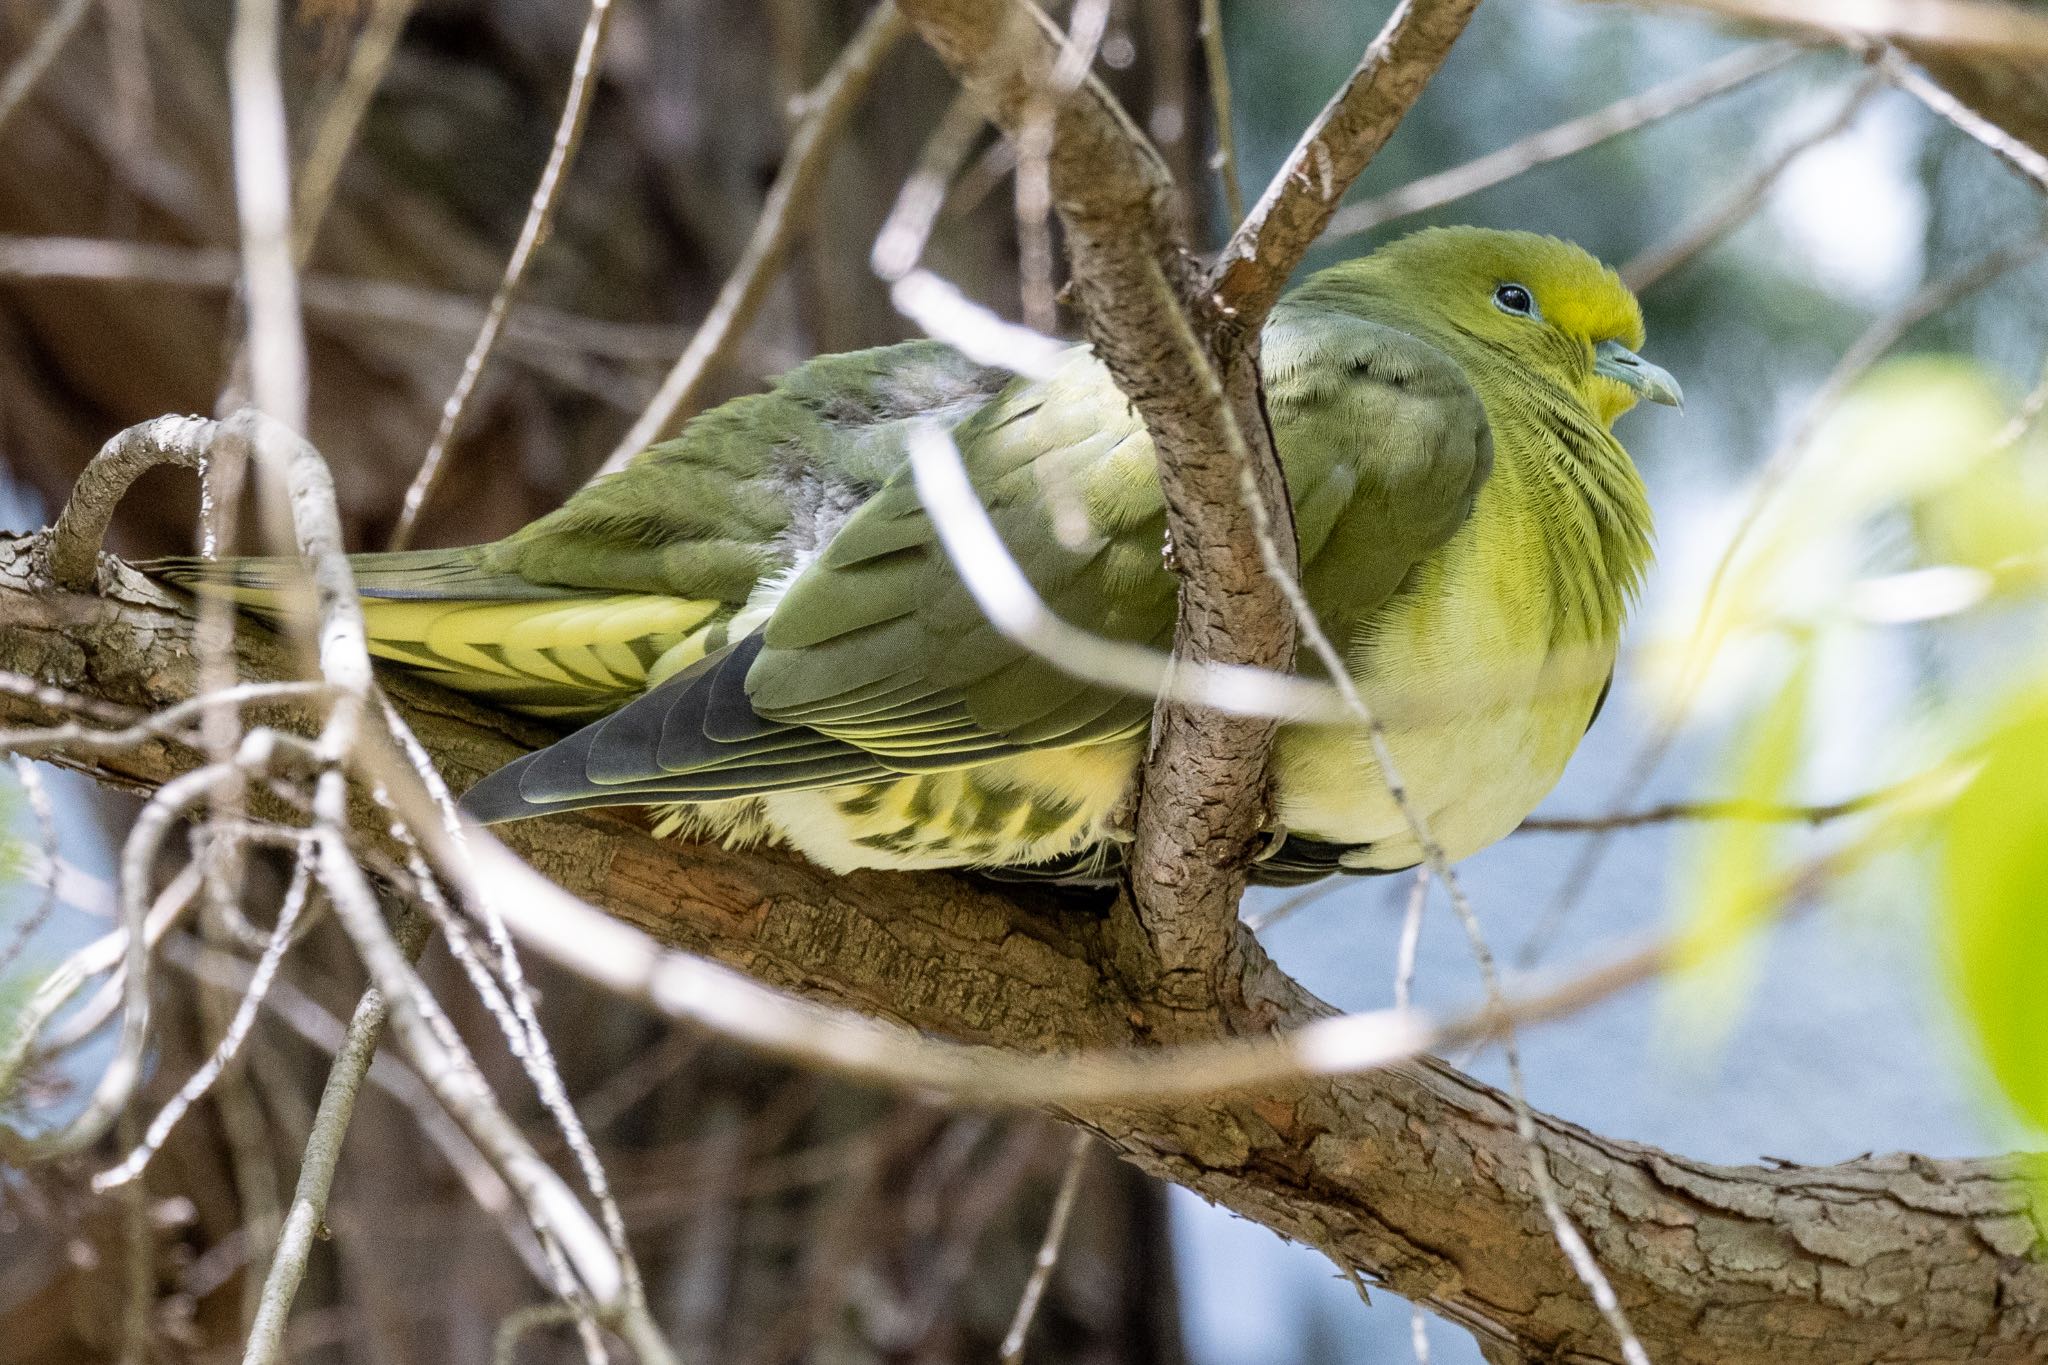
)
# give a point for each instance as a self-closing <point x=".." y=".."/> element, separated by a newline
<point x="771" y="645"/>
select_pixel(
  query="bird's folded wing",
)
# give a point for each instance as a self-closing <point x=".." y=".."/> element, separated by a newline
<point x="877" y="660"/>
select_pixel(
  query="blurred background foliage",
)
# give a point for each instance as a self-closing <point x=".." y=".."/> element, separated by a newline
<point x="1878" y="624"/>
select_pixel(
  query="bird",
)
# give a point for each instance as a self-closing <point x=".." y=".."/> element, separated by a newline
<point x="755" y="629"/>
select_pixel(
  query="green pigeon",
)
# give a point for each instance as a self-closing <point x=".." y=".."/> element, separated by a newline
<point x="761" y="635"/>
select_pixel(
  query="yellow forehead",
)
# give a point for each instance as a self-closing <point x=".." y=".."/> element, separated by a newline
<point x="1574" y="292"/>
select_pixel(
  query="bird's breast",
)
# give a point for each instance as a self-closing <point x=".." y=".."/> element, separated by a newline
<point x="1483" y="691"/>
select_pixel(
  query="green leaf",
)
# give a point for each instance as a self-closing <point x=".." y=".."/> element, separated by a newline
<point x="1994" y="925"/>
<point x="1912" y="438"/>
<point x="15" y="854"/>
<point x="1995" y="516"/>
<point x="1730" y="874"/>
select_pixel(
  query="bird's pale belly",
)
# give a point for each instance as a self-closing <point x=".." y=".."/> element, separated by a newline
<point x="1473" y="778"/>
<point x="1027" y="809"/>
<point x="1483" y="691"/>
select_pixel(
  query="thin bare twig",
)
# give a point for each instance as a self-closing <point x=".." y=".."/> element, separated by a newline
<point x="1625" y="115"/>
<point x="1012" y="1350"/>
<point x="131" y="89"/>
<point x="263" y="198"/>
<point x="132" y="1166"/>
<point x="935" y="304"/>
<point x="519" y="1019"/>
<point x="311" y="1021"/>
<point x="1740" y="200"/>
<point x="533" y="330"/>
<point x="1014" y="608"/>
<point x="49" y="41"/>
<point x="60" y="986"/>
<point x="138" y="1250"/>
<point x="540" y="217"/>
<point x="982" y="177"/>
<point x="45" y="816"/>
<point x="597" y="1279"/>
<point x="1878" y="338"/>
<point x="826" y="111"/>
<point x="1299" y="901"/>
<point x="168" y="724"/>
<point x="900" y="243"/>
<point x="1418" y="1334"/>
<point x="319" y="1161"/>
<point x="274" y="349"/>
<point x="1762" y="811"/>
<point x="1033" y="138"/>
<point x="74" y="703"/>
<point x="1216" y="70"/>
<point x="343" y="117"/>
<point x="623" y="959"/>
<point x="110" y="1094"/>
<point x="1411" y="940"/>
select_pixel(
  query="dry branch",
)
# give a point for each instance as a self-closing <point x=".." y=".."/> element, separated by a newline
<point x="540" y="217"/>
<point x="1144" y="302"/>
<point x="33" y="64"/>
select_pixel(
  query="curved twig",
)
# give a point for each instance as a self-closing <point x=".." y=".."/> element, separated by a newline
<point x="74" y="543"/>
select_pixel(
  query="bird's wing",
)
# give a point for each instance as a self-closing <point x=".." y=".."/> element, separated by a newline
<point x="641" y="574"/>
<point x="877" y="661"/>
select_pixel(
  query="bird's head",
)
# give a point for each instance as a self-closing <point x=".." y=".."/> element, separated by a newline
<point x="1540" y="303"/>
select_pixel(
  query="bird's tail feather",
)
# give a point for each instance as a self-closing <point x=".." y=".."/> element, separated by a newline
<point x="446" y="614"/>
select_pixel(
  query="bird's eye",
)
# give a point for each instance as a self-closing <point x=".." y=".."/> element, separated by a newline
<point x="1513" y="298"/>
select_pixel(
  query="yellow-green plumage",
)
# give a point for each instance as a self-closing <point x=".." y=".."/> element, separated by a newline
<point x="780" y="650"/>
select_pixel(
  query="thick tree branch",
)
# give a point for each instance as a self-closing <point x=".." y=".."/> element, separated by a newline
<point x="1142" y="298"/>
<point x="1414" y="1176"/>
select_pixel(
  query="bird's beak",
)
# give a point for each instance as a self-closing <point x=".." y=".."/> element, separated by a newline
<point x="1653" y="382"/>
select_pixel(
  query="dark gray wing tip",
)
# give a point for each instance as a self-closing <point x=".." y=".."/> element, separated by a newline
<point x="497" y="798"/>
